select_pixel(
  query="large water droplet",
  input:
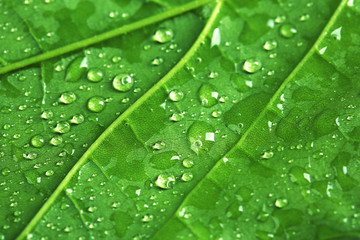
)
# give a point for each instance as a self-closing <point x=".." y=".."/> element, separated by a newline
<point x="252" y="65"/>
<point x="208" y="95"/>
<point x="163" y="35"/>
<point x="96" y="104"/>
<point x="201" y="136"/>
<point x="165" y="180"/>
<point x="95" y="75"/>
<point x="37" y="141"/>
<point x="176" y="95"/>
<point x="67" y="97"/>
<point x="123" y="82"/>
<point x="62" y="127"/>
<point x="287" y="31"/>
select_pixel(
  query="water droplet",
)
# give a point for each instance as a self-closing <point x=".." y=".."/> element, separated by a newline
<point x="176" y="95"/>
<point x="159" y="145"/>
<point x="176" y="117"/>
<point x="165" y="180"/>
<point x="55" y="141"/>
<point x="30" y="155"/>
<point x="5" y="171"/>
<point x="216" y="114"/>
<point x="187" y="177"/>
<point x="201" y="136"/>
<point x="37" y="141"/>
<point x="96" y="104"/>
<point x="92" y="209"/>
<point x="267" y="155"/>
<point x="123" y="82"/>
<point x="281" y="202"/>
<point x="76" y="69"/>
<point x="62" y="127"/>
<point x="287" y="31"/>
<point x="188" y="163"/>
<point x="280" y="19"/>
<point x="47" y="114"/>
<point x="304" y="17"/>
<point x="270" y="45"/>
<point x="208" y="95"/>
<point x="116" y="59"/>
<point x="163" y="35"/>
<point x="252" y="65"/>
<point x="157" y="61"/>
<point x="95" y="75"/>
<point x="147" y="218"/>
<point x="67" y="97"/>
<point x="77" y="119"/>
<point x="49" y="173"/>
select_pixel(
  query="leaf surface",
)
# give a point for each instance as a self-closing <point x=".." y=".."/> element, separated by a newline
<point x="204" y="145"/>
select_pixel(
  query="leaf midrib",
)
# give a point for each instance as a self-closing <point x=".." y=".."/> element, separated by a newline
<point x="275" y="96"/>
<point x="128" y="111"/>
<point x="104" y="36"/>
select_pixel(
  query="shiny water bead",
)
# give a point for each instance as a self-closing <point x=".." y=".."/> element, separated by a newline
<point x="147" y="218"/>
<point x="163" y="35"/>
<point x="176" y="95"/>
<point x="216" y="114"/>
<point x="62" y="127"/>
<point x="252" y="65"/>
<point x="77" y="119"/>
<point x="47" y="114"/>
<point x="187" y="177"/>
<point x="67" y="97"/>
<point x="159" y="145"/>
<point x="188" y="163"/>
<point x="30" y="155"/>
<point x="55" y="141"/>
<point x="287" y="31"/>
<point x="116" y="59"/>
<point x="5" y="171"/>
<point x="123" y="82"/>
<point x="75" y="69"/>
<point x="49" y="173"/>
<point x="96" y="104"/>
<point x="208" y="95"/>
<point x="37" y="141"/>
<point x="165" y="180"/>
<point x="157" y="61"/>
<point x="267" y="155"/>
<point x="270" y="45"/>
<point x="281" y="202"/>
<point x="95" y="75"/>
<point x="175" y="117"/>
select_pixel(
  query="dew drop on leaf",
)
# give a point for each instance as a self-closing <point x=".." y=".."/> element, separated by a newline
<point x="252" y="65"/>
<point x="5" y="171"/>
<point x="62" y="127"/>
<point x="163" y="35"/>
<point x="95" y="75"/>
<point x="270" y="45"/>
<point x="281" y="202"/>
<point x="188" y="163"/>
<point x="267" y="155"/>
<point x="55" y="141"/>
<point x="75" y="70"/>
<point x="176" y="95"/>
<point x="30" y="155"/>
<point x="47" y="114"/>
<point x="49" y="173"/>
<point x="159" y="145"/>
<point x="123" y="82"/>
<point x="208" y="95"/>
<point x="147" y="218"/>
<point x="176" y="117"/>
<point x="67" y="97"/>
<point x="157" y="61"/>
<point x="186" y="177"/>
<point x="165" y="180"/>
<point x="216" y="114"/>
<point x="77" y="119"/>
<point x="37" y="141"/>
<point x="287" y="31"/>
<point x="96" y="104"/>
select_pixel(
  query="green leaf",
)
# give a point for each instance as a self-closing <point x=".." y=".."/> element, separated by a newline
<point x="235" y="119"/>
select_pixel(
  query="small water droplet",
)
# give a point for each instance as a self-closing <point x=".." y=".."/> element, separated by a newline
<point x="208" y="95"/>
<point x="75" y="70"/>
<point x="187" y="177"/>
<point x="176" y="95"/>
<point x="37" y="141"/>
<point x="30" y="155"/>
<point x="96" y="104"/>
<point x="147" y="218"/>
<point x="77" y="119"/>
<point x="281" y="202"/>
<point x="92" y="209"/>
<point x="280" y="19"/>
<point x="163" y="35"/>
<point x="95" y="75"/>
<point x="49" y="173"/>
<point x="157" y="61"/>
<point x="116" y="59"/>
<point x="267" y="155"/>
<point x="216" y="114"/>
<point x="55" y="141"/>
<point x="176" y="117"/>
<point x="123" y="82"/>
<point x="188" y="163"/>
<point x="5" y="171"/>
<point x="287" y="31"/>
<point x="62" y="127"/>
<point x="47" y="114"/>
<point x="67" y="97"/>
<point x="165" y="180"/>
<point x="159" y="145"/>
<point x="270" y="45"/>
<point x="252" y="65"/>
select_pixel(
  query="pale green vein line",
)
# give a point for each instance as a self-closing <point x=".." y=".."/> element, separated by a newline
<point x="122" y="117"/>
<point x="275" y="96"/>
<point x="77" y="207"/>
<point x="104" y="36"/>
